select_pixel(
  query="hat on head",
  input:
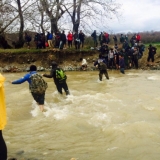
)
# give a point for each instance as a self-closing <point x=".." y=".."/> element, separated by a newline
<point x="33" y="68"/>
<point x="54" y="64"/>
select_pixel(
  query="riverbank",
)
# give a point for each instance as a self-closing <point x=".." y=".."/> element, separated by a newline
<point x="69" y="60"/>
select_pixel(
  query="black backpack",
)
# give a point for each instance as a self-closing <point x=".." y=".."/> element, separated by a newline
<point x="102" y="65"/>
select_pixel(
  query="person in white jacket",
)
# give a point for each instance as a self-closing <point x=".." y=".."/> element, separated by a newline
<point x="83" y="64"/>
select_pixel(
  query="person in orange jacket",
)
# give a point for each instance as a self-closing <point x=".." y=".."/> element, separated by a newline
<point x="3" y="147"/>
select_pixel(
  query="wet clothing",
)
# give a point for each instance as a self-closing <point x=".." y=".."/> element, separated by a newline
<point x="39" y="98"/>
<point x="102" y="68"/>
<point x="116" y="58"/>
<point x="121" y="65"/>
<point x="59" y="84"/>
<point x="3" y="148"/>
<point x="25" y="78"/>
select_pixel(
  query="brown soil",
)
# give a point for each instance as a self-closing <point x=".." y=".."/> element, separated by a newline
<point x="44" y="58"/>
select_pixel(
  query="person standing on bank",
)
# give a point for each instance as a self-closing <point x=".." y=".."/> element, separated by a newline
<point x="3" y="147"/>
<point x="37" y="85"/>
<point x="49" y="39"/>
<point x="101" y="64"/>
<point x="27" y="39"/>
<point x="76" y="40"/>
<point x="81" y="37"/>
<point x="151" y="53"/>
<point x="70" y="39"/>
<point x="62" y="40"/>
<point x="94" y="36"/>
<point x="59" y="78"/>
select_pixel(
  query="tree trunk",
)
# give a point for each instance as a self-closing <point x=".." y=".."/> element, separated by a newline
<point x="54" y="26"/>
<point x="76" y="14"/>
<point x="20" y="42"/>
<point x="3" y="43"/>
<point x="75" y="27"/>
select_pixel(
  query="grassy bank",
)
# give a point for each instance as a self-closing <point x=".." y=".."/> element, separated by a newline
<point x="24" y="56"/>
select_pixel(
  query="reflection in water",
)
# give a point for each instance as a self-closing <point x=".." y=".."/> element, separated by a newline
<point x="114" y="119"/>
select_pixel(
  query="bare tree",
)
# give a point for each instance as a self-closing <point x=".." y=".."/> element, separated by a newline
<point x="21" y="40"/>
<point x="23" y="9"/>
<point x="90" y="12"/>
<point x="54" y="11"/>
<point x="11" y="16"/>
<point x="6" y="19"/>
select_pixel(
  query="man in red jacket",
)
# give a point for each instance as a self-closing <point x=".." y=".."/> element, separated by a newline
<point x="138" y="38"/>
<point x="70" y="39"/>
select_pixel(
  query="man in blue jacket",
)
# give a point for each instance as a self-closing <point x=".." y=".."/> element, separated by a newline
<point x="49" y="39"/>
<point x="38" y="97"/>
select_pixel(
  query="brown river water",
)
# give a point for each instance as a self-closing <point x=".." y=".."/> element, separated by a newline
<point x="116" y="119"/>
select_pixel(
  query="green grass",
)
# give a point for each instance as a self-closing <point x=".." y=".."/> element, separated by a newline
<point x="154" y="44"/>
<point x="85" y="49"/>
<point x="21" y="50"/>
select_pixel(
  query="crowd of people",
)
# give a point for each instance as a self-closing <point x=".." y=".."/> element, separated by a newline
<point x="131" y="49"/>
<point x="114" y="58"/>
<point x="58" y="40"/>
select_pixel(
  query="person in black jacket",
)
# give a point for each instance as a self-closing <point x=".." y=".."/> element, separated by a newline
<point x="151" y="53"/>
<point x="81" y="37"/>
<point x="101" y="64"/>
<point x="76" y="40"/>
<point x="121" y="63"/>
<point x="62" y="40"/>
<point x="94" y="36"/>
<point x="60" y="81"/>
<point x="27" y="39"/>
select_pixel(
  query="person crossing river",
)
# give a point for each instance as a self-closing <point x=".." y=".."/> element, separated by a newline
<point x="59" y="78"/>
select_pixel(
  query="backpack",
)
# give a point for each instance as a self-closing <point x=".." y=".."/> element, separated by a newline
<point x="60" y="75"/>
<point x="38" y="85"/>
<point x="102" y="66"/>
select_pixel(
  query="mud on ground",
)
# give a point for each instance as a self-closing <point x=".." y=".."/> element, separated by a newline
<point x="44" y="58"/>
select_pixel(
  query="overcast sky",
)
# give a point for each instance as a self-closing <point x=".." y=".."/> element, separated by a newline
<point x="137" y="16"/>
